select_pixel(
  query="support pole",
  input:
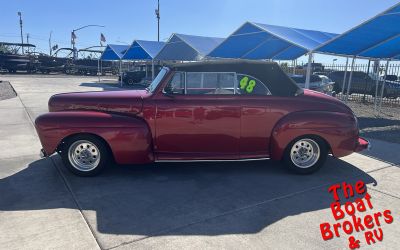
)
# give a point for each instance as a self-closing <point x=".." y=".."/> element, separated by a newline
<point x="383" y="86"/>
<point x="308" y="75"/>
<point x="376" y="71"/>
<point x="120" y="72"/>
<point x="345" y="75"/>
<point x="365" y="89"/>
<point x="152" y="69"/>
<point x="294" y="67"/>
<point x="98" y="68"/>
<point x="350" y="78"/>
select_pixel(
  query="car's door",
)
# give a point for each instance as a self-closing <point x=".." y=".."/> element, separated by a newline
<point x="256" y="121"/>
<point x="198" y="117"/>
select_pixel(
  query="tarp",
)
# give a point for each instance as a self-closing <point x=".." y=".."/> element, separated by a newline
<point x="182" y="47"/>
<point x="377" y="38"/>
<point x="114" y="52"/>
<point x="264" y="41"/>
<point x="143" y="50"/>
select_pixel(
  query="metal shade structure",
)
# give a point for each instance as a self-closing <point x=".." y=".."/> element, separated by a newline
<point x="377" y="38"/>
<point x="143" y="50"/>
<point x="263" y="41"/>
<point x="182" y="47"/>
<point x="114" y="52"/>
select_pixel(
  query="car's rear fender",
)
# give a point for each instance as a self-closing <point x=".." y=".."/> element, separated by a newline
<point x="338" y="130"/>
<point x="129" y="138"/>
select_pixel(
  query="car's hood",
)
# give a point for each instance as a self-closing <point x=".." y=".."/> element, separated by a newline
<point x="128" y="101"/>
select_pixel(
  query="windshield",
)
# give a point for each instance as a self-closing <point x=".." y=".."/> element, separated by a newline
<point x="157" y="80"/>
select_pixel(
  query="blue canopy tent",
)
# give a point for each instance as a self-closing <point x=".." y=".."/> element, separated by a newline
<point x="141" y="50"/>
<point x="182" y="47"/>
<point x="263" y="41"/>
<point x="377" y="38"/>
<point x="114" y="52"/>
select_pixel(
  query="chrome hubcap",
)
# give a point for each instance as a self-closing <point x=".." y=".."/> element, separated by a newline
<point x="305" y="153"/>
<point x="84" y="155"/>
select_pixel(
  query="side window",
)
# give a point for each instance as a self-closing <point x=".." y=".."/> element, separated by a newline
<point x="176" y="85"/>
<point x="210" y="83"/>
<point x="248" y="85"/>
<point x="193" y="83"/>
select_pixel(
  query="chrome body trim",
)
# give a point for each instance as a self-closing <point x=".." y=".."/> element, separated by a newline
<point x="255" y="159"/>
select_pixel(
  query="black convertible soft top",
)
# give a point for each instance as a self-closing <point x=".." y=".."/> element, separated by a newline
<point x="269" y="73"/>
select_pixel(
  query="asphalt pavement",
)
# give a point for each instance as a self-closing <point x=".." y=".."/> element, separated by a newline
<point x="232" y="205"/>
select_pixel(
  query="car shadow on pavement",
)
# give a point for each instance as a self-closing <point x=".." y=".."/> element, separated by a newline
<point x="178" y="198"/>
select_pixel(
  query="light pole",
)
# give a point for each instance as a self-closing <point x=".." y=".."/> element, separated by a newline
<point x="157" y="11"/>
<point x="51" y="32"/>
<point x="20" y="25"/>
<point x="27" y="40"/>
<point x="73" y="37"/>
<point x="333" y="62"/>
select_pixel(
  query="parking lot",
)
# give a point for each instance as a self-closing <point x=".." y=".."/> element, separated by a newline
<point x="232" y="205"/>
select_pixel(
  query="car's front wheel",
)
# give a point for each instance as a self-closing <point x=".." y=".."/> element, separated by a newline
<point x="305" y="155"/>
<point x="85" y="155"/>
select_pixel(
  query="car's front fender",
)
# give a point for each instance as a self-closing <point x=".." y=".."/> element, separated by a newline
<point x="339" y="130"/>
<point x="129" y="138"/>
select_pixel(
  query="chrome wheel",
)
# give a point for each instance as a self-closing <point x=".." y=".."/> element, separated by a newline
<point x="305" y="153"/>
<point x="84" y="155"/>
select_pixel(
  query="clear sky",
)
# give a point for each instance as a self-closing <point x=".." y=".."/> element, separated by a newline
<point x="126" y="20"/>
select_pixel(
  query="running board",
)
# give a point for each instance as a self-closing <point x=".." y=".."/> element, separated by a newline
<point x="257" y="159"/>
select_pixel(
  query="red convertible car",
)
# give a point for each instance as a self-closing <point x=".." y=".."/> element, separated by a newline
<point x="205" y="111"/>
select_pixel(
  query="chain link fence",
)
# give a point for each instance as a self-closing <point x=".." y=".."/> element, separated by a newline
<point x="379" y="118"/>
<point x="366" y="83"/>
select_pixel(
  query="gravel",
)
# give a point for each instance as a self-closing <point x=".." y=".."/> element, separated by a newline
<point x="384" y="127"/>
<point x="6" y="91"/>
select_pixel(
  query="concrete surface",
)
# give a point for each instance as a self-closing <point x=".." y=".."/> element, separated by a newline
<point x="242" y="205"/>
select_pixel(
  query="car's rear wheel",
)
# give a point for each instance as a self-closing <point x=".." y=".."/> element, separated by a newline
<point x="85" y="155"/>
<point x="306" y="154"/>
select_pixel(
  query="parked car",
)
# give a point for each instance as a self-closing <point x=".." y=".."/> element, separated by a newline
<point x="222" y="110"/>
<point x="318" y="83"/>
<point x="363" y="83"/>
<point x="133" y="77"/>
<point x="139" y="75"/>
<point x="392" y="78"/>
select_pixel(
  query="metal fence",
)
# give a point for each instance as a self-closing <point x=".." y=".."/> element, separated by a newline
<point x="366" y="83"/>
